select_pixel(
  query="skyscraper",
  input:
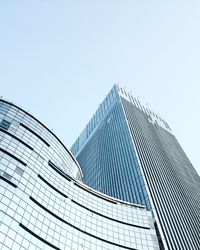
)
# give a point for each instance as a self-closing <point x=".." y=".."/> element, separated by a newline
<point x="129" y="152"/>
<point x="43" y="203"/>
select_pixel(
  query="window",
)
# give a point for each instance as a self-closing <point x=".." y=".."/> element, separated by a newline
<point x="19" y="171"/>
<point x="7" y="176"/>
<point x="5" y="124"/>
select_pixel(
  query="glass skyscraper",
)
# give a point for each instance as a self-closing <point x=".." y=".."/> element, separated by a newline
<point x="129" y="152"/>
<point x="44" y="204"/>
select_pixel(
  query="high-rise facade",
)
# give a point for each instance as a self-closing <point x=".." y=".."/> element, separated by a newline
<point x="129" y="152"/>
<point x="43" y="202"/>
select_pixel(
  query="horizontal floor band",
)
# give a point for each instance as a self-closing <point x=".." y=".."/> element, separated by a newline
<point x="52" y="186"/>
<point x="38" y="237"/>
<point x="95" y="194"/>
<point x="128" y="224"/>
<point x="59" y="171"/>
<point x="16" y="138"/>
<point x="14" y="157"/>
<point x="9" y="182"/>
<point x="33" y="132"/>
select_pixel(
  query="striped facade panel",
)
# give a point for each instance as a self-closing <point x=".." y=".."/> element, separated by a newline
<point x="172" y="181"/>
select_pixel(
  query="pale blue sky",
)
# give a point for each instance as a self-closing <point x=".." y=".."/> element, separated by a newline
<point x="58" y="60"/>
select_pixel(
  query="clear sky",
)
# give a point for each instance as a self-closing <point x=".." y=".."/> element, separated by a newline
<point x="59" y="59"/>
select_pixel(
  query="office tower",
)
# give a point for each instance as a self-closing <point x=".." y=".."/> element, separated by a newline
<point x="129" y="152"/>
<point x="43" y="203"/>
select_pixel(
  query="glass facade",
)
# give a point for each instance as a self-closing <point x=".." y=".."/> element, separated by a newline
<point x="45" y="205"/>
<point x="119" y="175"/>
<point x="132" y="154"/>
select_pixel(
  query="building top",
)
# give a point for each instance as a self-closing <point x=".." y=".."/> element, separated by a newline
<point x="103" y="109"/>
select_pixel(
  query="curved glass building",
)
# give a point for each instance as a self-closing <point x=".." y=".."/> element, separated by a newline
<point x="45" y="205"/>
<point x="129" y="152"/>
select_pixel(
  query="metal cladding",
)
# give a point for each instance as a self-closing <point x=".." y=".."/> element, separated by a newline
<point x="43" y="203"/>
<point x="130" y="152"/>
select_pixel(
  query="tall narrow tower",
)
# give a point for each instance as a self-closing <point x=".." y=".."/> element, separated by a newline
<point x="129" y="152"/>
